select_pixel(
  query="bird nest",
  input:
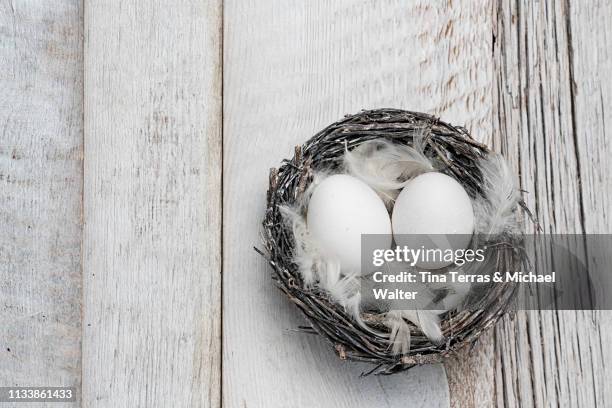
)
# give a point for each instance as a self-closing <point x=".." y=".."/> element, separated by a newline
<point x="456" y="154"/>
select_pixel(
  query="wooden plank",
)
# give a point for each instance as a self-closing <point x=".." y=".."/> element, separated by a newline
<point x="551" y="94"/>
<point x="591" y="57"/>
<point x="152" y="204"/>
<point x="40" y="193"/>
<point x="288" y="72"/>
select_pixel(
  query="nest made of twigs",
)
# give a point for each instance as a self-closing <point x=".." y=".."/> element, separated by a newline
<point x="451" y="146"/>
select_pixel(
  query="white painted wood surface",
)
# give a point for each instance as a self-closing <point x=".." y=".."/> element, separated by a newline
<point x="531" y="78"/>
<point x="552" y="92"/>
<point x="288" y="72"/>
<point x="40" y="193"/>
<point x="152" y="204"/>
<point x="591" y="57"/>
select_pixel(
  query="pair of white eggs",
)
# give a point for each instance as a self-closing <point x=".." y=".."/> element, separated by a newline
<point x="342" y="208"/>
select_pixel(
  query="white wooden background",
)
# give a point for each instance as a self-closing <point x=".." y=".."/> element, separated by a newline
<point x="136" y="141"/>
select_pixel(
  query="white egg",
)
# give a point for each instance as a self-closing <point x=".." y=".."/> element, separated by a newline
<point x="341" y="209"/>
<point x="433" y="211"/>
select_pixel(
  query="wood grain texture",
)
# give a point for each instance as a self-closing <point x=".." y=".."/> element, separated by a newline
<point x="551" y="104"/>
<point x="288" y="72"/>
<point x="531" y="78"/>
<point x="152" y="203"/>
<point x="591" y="56"/>
<point x="40" y="193"/>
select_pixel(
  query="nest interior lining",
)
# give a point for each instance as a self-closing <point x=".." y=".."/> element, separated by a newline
<point x="458" y="153"/>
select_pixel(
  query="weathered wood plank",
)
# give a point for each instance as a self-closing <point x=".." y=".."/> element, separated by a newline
<point x="552" y="89"/>
<point x="288" y="72"/>
<point x="40" y="193"/>
<point x="152" y="204"/>
<point x="591" y="57"/>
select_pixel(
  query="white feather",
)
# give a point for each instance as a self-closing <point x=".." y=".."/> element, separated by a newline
<point x="399" y="332"/>
<point x="385" y="166"/>
<point x="426" y="320"/>
<point x="305" y="253"/>
<point x="399" y="337"/>
<point x="456" y="292"/>
<point x="429" y="323"/>
<point x="345" y="291"/>
<point x="341" y="288"/>
<point x="495" y="212"/>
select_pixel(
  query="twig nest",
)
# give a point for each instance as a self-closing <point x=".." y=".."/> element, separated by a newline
<point x="348" y="180"/>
